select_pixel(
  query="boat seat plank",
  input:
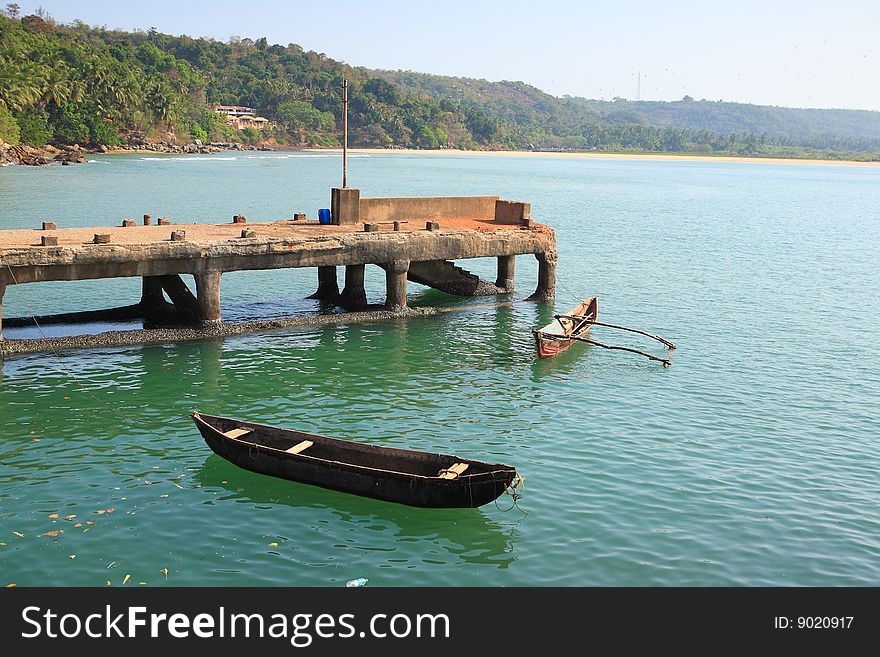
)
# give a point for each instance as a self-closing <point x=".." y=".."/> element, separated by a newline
<point x="300" y="447"/>
<point x="453" y="471"/>
<point x="236" y="433"/>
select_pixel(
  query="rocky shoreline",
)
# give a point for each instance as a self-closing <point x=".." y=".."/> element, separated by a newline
<point x="26" y="155"/>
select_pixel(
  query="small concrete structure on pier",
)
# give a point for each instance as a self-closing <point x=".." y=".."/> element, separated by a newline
<point x="415" y="238"/>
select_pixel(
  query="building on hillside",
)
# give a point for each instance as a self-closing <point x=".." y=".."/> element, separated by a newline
<point x="235" y="110"/>
<point x="240" y="117"/>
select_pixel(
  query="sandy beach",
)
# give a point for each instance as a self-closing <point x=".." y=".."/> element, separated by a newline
<point x="598" y="156"/>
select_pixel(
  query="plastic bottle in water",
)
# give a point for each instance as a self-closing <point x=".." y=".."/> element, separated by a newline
<point x="360" y="581"/>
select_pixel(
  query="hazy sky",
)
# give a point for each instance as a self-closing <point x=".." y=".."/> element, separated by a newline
<point x="802" y="53"/>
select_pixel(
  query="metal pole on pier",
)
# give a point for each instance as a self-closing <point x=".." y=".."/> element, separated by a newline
<point x="344" y="133"/>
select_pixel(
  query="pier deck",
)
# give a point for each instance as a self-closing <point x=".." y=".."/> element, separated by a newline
<point x="415" y="237"/>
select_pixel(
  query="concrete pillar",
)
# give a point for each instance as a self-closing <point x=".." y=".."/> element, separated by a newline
<point x="546" y="277"/>
<point x="353" y="296"/>
<point x="151" y="292"/>
<point x="395" y="284"/>
<point x="2" y="292"/>
<point x="180" y="296"/>
<point x="208" y="296"/>
<point x="345" y="206"/>
<point x="506" y="270"/>
<point x="328" y="287"/>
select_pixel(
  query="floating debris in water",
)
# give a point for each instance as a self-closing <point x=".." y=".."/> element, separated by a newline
<point x="360" y="581"/>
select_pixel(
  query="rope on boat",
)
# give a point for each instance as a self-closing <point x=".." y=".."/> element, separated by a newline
<point x="513" y="489"/>
<point x="569" y="292"/>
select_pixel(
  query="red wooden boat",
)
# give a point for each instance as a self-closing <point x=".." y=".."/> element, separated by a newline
<point x="557" y="336"/>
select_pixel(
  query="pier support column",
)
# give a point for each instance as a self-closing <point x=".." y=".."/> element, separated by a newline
<point x="546" y="277"/>
<point x="395" y="284"/>
<point x="151" y="292"/>
<point x="208" y="296"/>
<point x="2" y="292"/>
<point x="328" y="287"/>
<point x="180" y="296"/>
<point x="506" y="270"/>
<point x="353" y="296"/>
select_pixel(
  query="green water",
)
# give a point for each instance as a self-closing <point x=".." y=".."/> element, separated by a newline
<point x="753" y="460"/>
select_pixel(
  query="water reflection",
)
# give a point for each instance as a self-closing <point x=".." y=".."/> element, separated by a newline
<point x="468" y="534"/>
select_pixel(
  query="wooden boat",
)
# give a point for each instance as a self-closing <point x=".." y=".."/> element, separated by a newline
<point x="557" y="336"/>
<point x="384" y="473"/>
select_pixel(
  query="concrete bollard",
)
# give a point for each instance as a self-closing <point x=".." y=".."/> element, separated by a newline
<point x="299" y="216"/>
<point x="50" y="225"/>
<point x="239" y="219"/>
<point x="127" y="223"/>
<point x="371" y="228"/>
<point x="432" y="225"/>
<point x="101" y="239"/>
<point x="248" y="233"/>
<point x="148" y="220"/>
<point x="46" y="240"/>
<point x="178" y="235"/>
<point x="164" y="221"/>
<point x="398" y="224"/>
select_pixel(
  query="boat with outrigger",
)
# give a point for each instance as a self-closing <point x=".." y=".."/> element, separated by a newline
<point x="573" y="326"/>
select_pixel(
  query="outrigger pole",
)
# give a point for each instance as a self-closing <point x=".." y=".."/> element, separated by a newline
<point x="622" y="328"/>
<point x="666" y="363"/>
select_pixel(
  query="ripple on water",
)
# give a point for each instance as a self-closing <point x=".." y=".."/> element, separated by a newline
<point x="751" y="461"/>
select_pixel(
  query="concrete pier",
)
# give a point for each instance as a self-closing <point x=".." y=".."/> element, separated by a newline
<point x="208" y="296"/>
<point x="463" y="228"/>
<point x="353" y="296"/>
<point x="506" y="271"/>
<point x="328" y="285"/>
<point x="546" y="289"/>
<point x="151" y="292"/>
<point x="395" y="284"/>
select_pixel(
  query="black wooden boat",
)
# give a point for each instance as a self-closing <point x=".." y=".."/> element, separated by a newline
<point x="385" y="473"/>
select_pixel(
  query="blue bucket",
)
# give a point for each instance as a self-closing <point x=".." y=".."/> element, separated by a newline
<point x="324" y="216"/>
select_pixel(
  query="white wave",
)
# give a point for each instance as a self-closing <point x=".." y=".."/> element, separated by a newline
<point x="189" y="157"/>
<point x="184" y="158"/>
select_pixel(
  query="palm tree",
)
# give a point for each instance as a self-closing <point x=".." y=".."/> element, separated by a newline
<point x="23" y="83"/>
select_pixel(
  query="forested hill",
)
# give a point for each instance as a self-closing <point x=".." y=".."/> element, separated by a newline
<point x="567" y="122"/>
<point x="66" y="84"/>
